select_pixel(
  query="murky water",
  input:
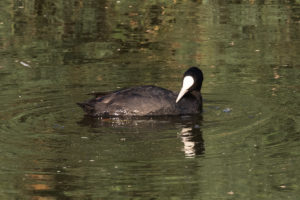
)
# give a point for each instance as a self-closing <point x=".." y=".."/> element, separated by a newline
<point x="245" y="145"/>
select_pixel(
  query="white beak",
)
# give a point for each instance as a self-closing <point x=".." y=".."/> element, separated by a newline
<point x="188" y="81"/>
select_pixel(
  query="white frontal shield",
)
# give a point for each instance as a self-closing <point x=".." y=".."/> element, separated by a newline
<point x="188" y="81"/>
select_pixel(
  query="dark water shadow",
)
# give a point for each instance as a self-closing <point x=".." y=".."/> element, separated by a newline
<point x="187" y="127"/>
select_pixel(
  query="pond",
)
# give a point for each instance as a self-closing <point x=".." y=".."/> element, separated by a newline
<point x="245" y="144"/>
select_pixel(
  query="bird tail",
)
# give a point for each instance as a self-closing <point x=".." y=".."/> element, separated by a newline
<point x="89" y="109"/>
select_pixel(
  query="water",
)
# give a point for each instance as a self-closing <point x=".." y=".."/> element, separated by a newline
<point x="245" y="145"/>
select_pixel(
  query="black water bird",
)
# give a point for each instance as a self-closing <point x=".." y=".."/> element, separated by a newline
<point x="150" y="100"/>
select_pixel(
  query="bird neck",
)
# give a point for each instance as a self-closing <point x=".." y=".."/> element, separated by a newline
<point x="197" y="95"/>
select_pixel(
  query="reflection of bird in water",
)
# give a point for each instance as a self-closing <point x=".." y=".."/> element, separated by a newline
<point x="192" y="140"/>
<point x="191" y="134"/>
<point x="150" y="100"/>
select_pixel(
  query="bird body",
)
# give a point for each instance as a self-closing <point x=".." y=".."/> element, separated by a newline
<point x="148" y="100"/>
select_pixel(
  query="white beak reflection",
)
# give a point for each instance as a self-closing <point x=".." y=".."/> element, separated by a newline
<point x="193" y="143"/>
<point x="189" y="145"/>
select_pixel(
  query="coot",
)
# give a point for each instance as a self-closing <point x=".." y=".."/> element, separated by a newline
<point x="150" y="100"/>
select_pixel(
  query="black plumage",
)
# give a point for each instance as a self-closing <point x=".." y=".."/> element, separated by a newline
<point x="148" y="100"/>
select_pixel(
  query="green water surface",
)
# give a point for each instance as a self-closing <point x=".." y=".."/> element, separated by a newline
<point x="245" y="145"/>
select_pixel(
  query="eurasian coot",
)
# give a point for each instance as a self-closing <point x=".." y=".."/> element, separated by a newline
<point x="150" y="100"/>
